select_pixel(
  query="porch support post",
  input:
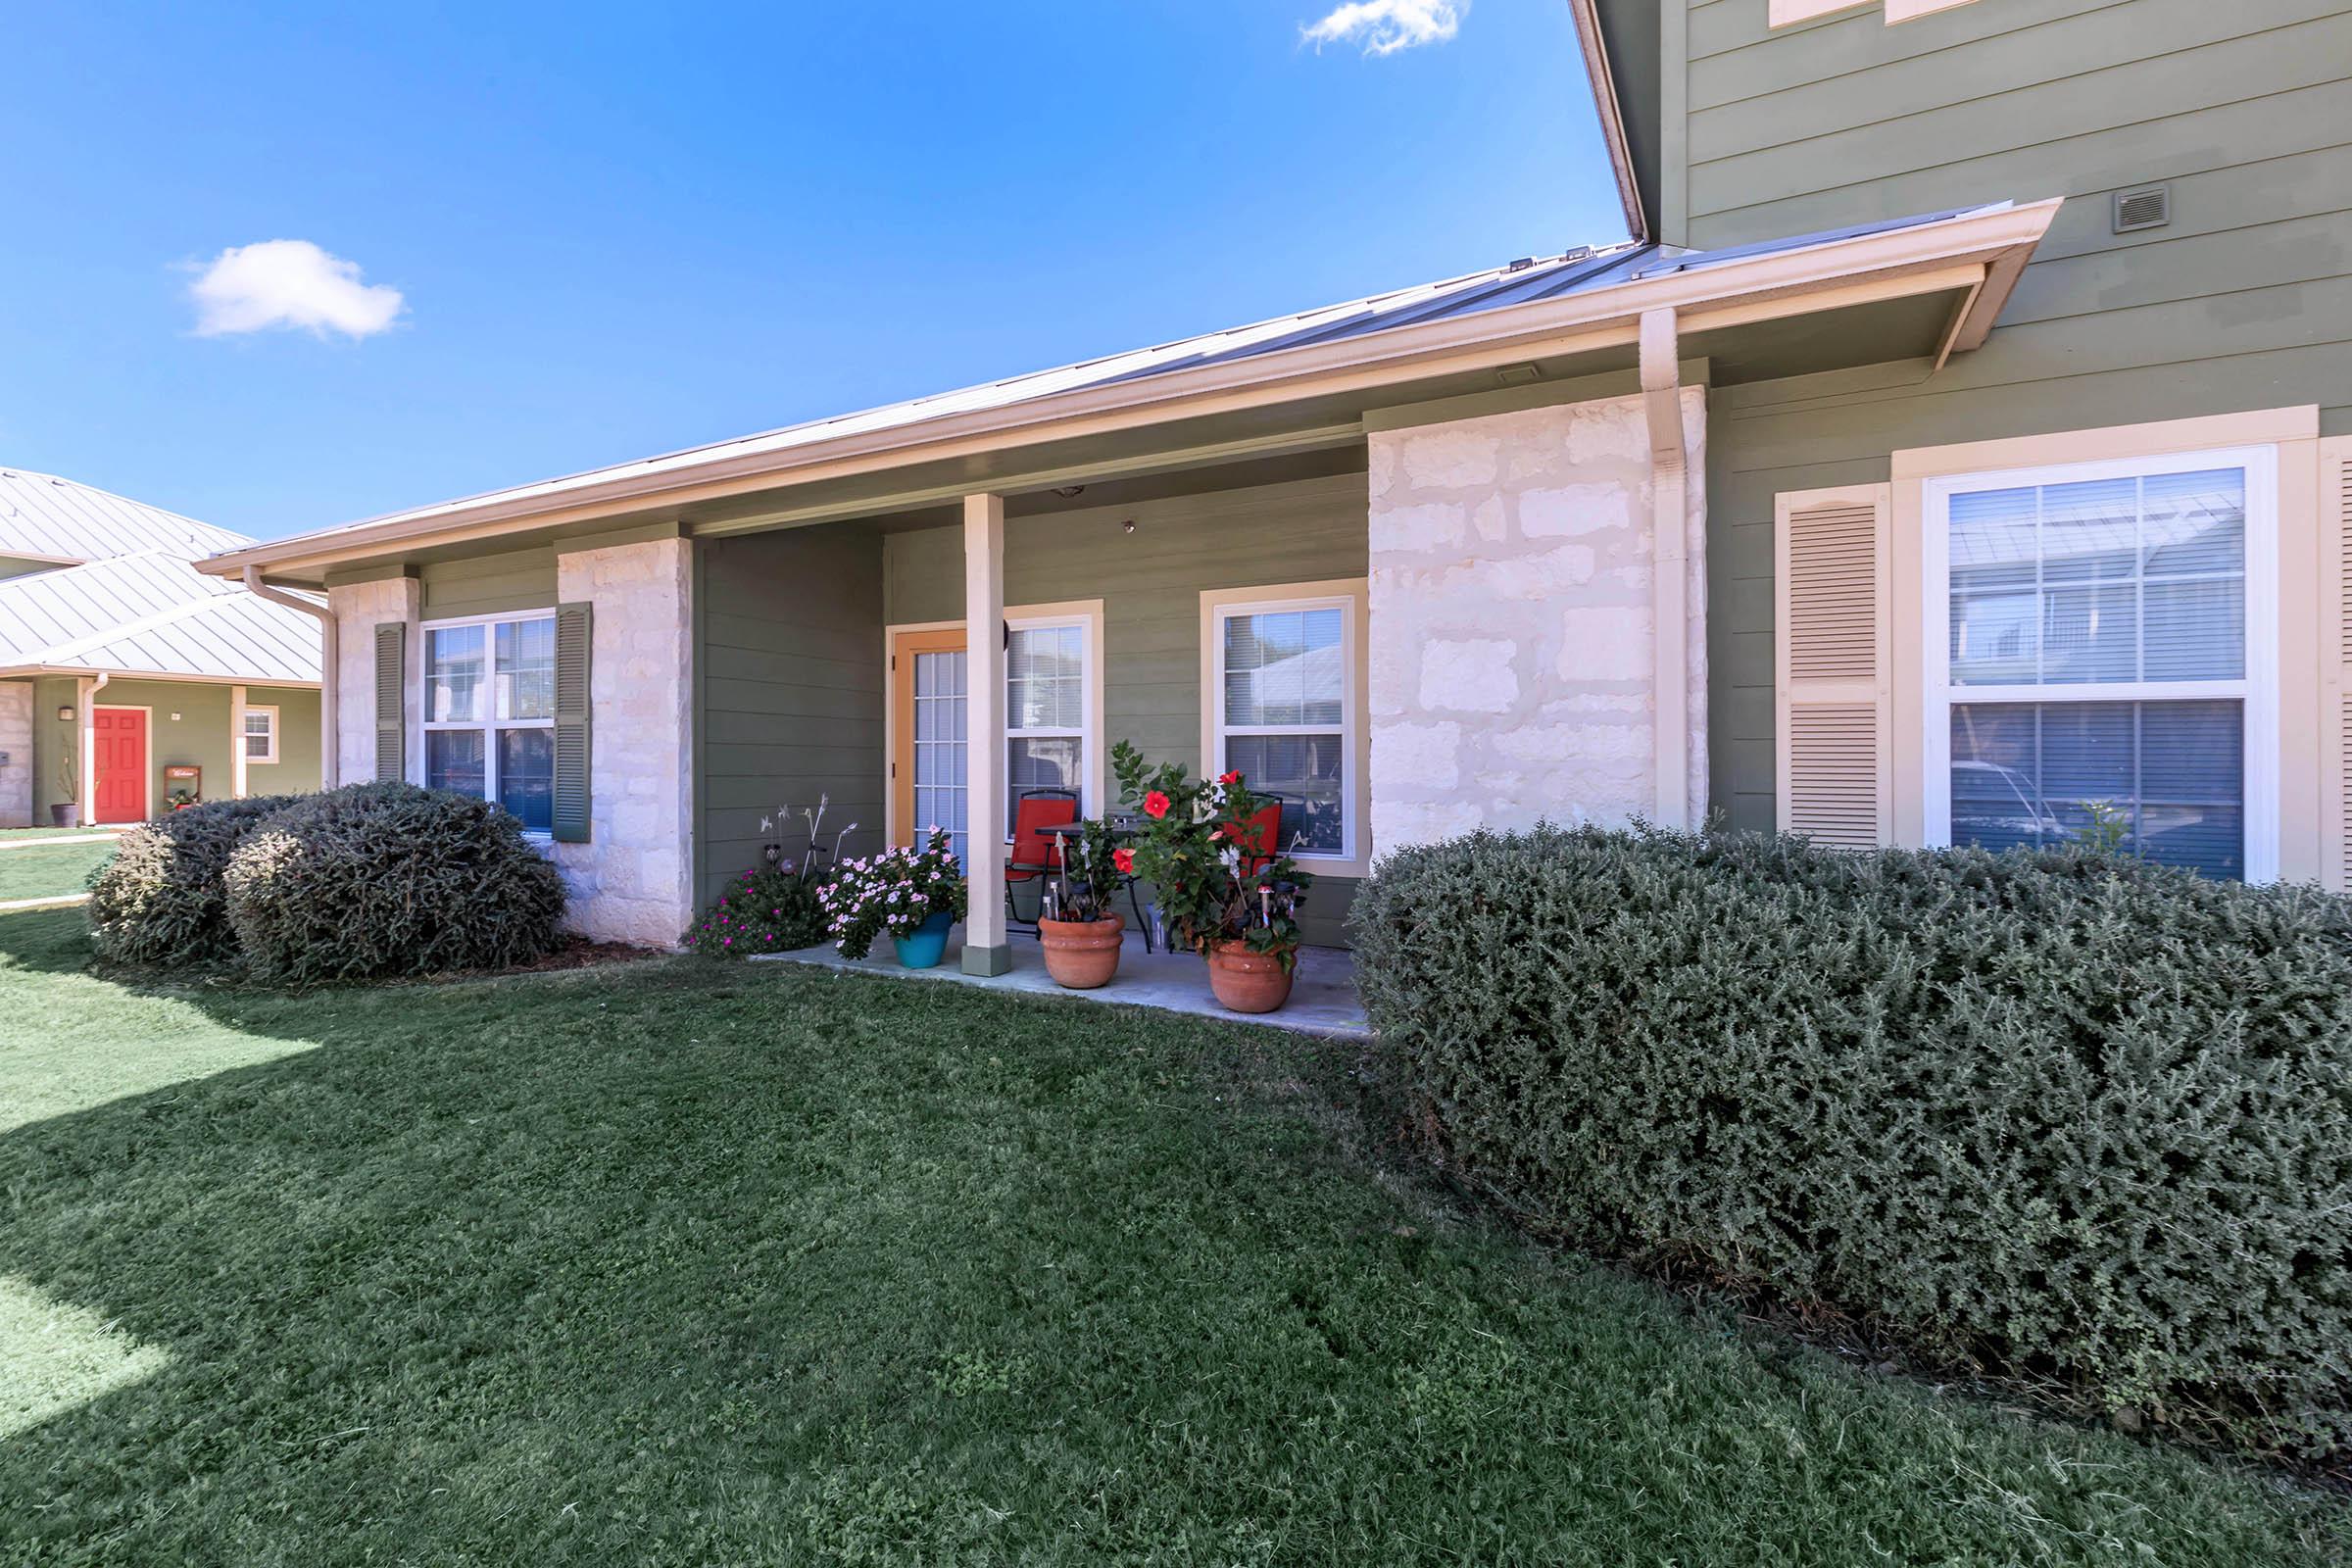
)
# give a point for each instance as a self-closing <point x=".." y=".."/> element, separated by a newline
<point x="985" y="949"/>
<point x="1669" y="475"/>
<point x="236" y="742"/>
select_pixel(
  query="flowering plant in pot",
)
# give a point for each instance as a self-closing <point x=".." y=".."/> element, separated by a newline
<point x="1230" y="900"/>
<point x="911" y="895"/>
<point x="1078" y="928"/>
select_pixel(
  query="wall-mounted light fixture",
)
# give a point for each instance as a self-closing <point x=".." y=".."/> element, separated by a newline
<point x="65" y="715"/>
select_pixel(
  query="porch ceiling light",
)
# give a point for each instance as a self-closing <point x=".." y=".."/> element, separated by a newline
<point x="1069" y="492"/>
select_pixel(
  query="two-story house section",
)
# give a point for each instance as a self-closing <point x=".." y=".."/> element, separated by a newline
<point x="2103" y="558"/>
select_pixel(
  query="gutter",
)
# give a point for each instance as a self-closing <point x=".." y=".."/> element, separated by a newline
<point x="329" y="646"/>
<point x="1989" y="245"/>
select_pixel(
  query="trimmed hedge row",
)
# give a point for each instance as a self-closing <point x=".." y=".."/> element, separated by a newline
<point x="370" y="881"/>
<point x="2073" y="1115"/>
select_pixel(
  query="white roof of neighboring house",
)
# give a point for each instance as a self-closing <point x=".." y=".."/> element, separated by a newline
<point x="152" y="614"/>
<point x="49" y="518"/>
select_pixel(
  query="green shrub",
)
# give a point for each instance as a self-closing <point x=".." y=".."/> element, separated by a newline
<point x="160" y="901"/>
<point x="388" y="879"/>
<point x="767" y="909"/>
<point x="2077" y="1117"/>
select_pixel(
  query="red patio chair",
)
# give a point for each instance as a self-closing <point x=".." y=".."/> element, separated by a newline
<point x="1036" y="854"/>
<point x="1261" y="837"/>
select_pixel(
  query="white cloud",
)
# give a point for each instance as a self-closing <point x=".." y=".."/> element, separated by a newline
<point x="289" y="282"/>
<point x="1384" y="26"/>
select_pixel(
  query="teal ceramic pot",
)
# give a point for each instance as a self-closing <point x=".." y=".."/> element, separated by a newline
<point x="928" y="945"/>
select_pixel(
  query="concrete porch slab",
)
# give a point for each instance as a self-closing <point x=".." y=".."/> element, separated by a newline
<point x="1323" y="999"/>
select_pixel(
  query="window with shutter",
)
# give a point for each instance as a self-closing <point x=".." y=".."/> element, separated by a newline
<point x="573" y="635"/>
<point x="391" y="662"/>
<point x="1833" y="664"/>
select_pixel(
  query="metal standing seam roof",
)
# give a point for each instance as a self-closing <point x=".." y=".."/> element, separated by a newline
<point x="42" y="515"/>
<point x="1520" y="282"/>
<point x="153" y="613"/>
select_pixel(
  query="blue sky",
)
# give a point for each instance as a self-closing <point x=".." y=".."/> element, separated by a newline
<point x="618" y="230"/>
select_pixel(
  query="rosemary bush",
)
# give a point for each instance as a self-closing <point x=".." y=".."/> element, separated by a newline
<point x="2076" y="1116"/>
<point x="160" y="902"/>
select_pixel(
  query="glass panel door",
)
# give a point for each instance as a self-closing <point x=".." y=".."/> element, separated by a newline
<point x="940" y="750"/>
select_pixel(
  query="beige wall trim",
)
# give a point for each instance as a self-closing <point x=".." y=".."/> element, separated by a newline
<point x="236" y="742"/>
<point x="1602" y="318"/>
<point x="2334" y="545"/>
<point x="1668" y="484"/>
<point x="80" y="671"/>
<point x="1898" y="10"/>
<point x="2253" y="427"/>
<point x="1789" y="13"/>
<point x="1356" y="632"/>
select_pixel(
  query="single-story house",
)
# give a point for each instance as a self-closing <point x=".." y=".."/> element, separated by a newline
<point x="1791" y="510"/>
<point x="127" y="677"/>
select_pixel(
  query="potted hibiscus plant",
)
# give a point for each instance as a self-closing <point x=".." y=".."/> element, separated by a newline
<point x="1232" y="902"/>
<point x="913" y="895"/>
<point x="1078" y="928"/>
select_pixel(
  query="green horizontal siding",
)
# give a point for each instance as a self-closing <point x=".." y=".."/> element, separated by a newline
<point x="488" y="585"/>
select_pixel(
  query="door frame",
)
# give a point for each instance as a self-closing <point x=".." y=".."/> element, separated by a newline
<point x="898" y="790"/>
<point x="146" y="711"/>
<point x="1097" y="766"/>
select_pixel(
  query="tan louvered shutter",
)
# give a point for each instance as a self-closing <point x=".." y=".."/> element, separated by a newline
<point x="2336" y="662"/>
<point x="574" y="633"/>
<point x="391" y="668"/>
<point x="1833" y="654"/>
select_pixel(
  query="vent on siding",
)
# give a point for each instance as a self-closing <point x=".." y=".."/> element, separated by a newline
<point x="1833" y="774"/>
<point x="2148" y="207"/>
<point x="1833" y="594"/>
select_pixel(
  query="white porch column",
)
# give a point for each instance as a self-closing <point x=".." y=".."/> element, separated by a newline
<point x="985" y="951"/>
<point x="236" y="742"/>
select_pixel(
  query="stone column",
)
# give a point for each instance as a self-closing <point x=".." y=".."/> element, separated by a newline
<point x="358" y="609"/>
<point x="16" y="747"/>
<point x="1512" y="668"/>
<point x="633" y="880"/>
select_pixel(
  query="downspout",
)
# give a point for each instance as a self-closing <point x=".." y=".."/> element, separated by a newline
<point x="1669" y="511"/>
<point x="85" y="744"/>
<point x="330" y="711"/>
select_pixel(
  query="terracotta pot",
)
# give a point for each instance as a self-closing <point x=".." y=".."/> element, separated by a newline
<point x="1081" y="955"/>
<point x="1245" y="981"/>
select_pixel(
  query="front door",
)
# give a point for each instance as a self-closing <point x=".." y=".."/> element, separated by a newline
<point x="119" y="739"/>
<point x="927" y="759"/>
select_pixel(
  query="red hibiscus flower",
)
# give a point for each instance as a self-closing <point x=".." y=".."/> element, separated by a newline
<point x="1124" y="859"/>
<point x="1234" y="777"/>
<point x="1155" y="804"/>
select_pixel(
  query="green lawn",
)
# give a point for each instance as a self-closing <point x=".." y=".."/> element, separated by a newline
<point x="46" y="871"/>
<point x="681" y="1263"/>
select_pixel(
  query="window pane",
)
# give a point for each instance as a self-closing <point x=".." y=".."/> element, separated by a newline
<point x="526" y="776"/>
<point x="1306" y="770"/>
<point x="1055" y="763"/>
<point x="2100" y="581"/>
<point x="526" y="668"/>
<point x="2024" y="773"/>
<point x="1282" y="668"/>
<point x="452" y="674"/>
<point x="256" y="733"/>
<point x="453" y="760"/>
<point x="1044" y="678"/>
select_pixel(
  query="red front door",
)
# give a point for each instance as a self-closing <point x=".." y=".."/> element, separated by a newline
<point x="119" y="739"/>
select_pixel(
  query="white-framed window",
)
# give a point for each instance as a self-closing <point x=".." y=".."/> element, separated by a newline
<point x="259" y="734"/>
<point x="1051" y="709"/>
<point x="489" y="706"/>
<point x="1284" y="705"/>
<point x="2104" y="636"/>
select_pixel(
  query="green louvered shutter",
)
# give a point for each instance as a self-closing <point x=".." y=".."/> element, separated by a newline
<point x="391" y="667"/>
<point x="572" y="628"/>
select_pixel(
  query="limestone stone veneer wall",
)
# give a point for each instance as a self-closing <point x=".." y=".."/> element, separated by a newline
<point x="633" y="881"/>
<point x="1511" y="620"/>
<point x="15" y="744"/>
<point x="358" y="609"/>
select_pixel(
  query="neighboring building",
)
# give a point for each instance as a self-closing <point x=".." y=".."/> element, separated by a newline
<point x="1779" y="527"/>
<point x="122" y="667"/>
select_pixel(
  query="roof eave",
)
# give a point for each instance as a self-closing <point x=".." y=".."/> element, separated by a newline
<point x="1611" y="110"/>
<point x="1777" y="284"/>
